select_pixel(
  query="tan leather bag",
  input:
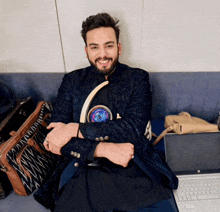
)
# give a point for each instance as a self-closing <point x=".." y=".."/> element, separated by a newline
<point x="184" y="123"/>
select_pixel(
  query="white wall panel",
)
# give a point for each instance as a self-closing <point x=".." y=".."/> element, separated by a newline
<point x="157" y="35"/>
<point x="73" y="12"/>
<point x="181" y="35"/>
<point x="29" y="37"/>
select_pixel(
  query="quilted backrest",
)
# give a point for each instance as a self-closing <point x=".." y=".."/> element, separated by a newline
<point x="173" y="92"/>
<point x="195" y="92"/>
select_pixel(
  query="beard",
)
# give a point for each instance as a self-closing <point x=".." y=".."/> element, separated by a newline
<point x="105" y="70"/>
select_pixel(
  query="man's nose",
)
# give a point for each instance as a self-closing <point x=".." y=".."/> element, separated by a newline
<point x="103" y="52"/>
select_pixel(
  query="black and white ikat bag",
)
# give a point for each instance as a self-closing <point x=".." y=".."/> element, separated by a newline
<point x="23" y="157"/>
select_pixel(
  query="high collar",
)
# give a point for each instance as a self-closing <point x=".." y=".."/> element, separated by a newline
<point x="119" y="68"/>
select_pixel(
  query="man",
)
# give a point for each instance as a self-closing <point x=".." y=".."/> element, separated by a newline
<point x="118" y="169"/>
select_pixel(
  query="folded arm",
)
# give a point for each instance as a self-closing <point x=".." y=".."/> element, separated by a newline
<point x="122" y="134"/>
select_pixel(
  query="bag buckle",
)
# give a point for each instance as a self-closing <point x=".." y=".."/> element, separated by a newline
<point x="3" y="168"/>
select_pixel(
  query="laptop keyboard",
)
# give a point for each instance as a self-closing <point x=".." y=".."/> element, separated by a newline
<point x="191" y="189"/>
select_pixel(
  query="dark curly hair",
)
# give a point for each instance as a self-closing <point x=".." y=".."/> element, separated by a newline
<point x="97" y="21"/>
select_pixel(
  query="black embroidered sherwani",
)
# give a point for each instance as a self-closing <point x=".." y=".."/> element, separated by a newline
<point x="128" y="96"/>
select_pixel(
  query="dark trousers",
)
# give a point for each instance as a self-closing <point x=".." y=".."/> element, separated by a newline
<point x="162" y="206"/>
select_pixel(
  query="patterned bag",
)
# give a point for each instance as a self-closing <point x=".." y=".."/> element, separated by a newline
<point x="16" y="118"/>
<point x="12" y="122"/>
<point x="23" y="157"/>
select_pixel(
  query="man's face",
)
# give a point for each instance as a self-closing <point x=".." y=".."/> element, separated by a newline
<point x="102" y="49"/>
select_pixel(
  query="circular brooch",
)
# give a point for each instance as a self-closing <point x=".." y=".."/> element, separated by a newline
<point x="99" y="113"/>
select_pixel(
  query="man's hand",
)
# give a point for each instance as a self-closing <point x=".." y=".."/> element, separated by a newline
<point x="59" y="136"/>
<point x="119" y="154"/>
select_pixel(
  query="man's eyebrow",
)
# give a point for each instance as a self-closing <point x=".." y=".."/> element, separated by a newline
<point x="109" y="42"/>
<point x="93" y="44"/>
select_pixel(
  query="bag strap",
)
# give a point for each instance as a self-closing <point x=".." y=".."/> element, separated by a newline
<point x="170" y="128"/>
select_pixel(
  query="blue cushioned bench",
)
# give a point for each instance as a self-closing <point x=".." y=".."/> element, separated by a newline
<point x="196" y="93"/>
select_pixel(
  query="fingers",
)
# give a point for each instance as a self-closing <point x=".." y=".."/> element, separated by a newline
<point x="54" y="150"/>
<point x="46" y="145"/>
<point x="129" y="155"/>
<point x="120" y="154"/>
<point x="126" y="161"/>
<point x="54" y="124"/>
<point x="51" y="125"/>
<point x="129" y="149"/>
<point x="51" y="148"/>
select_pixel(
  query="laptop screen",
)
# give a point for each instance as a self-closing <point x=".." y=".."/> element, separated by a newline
<point x="193" y="153"/>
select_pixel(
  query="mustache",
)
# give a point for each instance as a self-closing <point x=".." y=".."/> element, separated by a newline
<point x="105" y="58"/>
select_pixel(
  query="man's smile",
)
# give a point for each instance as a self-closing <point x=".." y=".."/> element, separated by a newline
<point x="104" y="62"/>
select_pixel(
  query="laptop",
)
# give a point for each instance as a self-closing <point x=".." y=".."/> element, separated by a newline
<point x="195" y="159"/>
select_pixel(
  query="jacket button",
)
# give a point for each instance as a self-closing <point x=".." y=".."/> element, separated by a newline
<point x="97" y="139"/>
<point x="101" y="139"/>
<point x="78" y="155"/>
<point x="76" y="164"/>
<point x="73" y="153"/>
<point x="106" y="137"/>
